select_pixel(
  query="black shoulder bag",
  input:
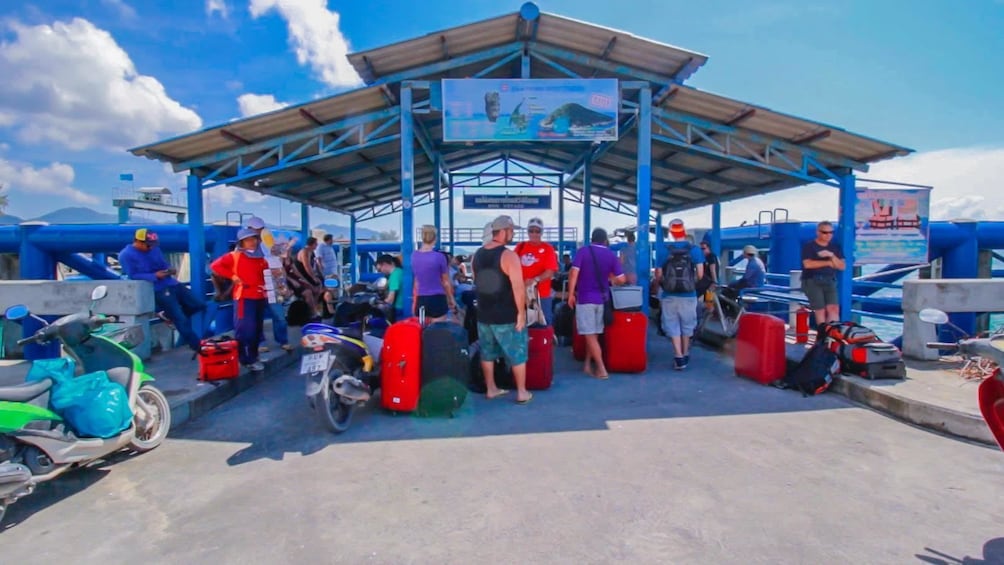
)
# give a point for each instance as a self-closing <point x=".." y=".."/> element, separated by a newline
<point x="608" y="307"/>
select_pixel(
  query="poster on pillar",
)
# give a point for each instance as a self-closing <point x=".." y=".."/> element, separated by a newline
<point x="530" y="109"/>
<point x="891" y="226"/>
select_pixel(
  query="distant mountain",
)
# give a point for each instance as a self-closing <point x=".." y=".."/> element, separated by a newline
<point x="342" y="232"/>
<point x="77" y="215"/>
<point x="6" y="220"/>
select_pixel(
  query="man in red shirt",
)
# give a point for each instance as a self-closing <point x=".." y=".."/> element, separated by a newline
<point x="246" y="267"/>
<point x="540" y="263"/>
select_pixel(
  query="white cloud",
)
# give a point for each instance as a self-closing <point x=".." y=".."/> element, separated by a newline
<point x="254" y="104"/>
<point x="315" y="37"/>
<point x="217" y="7"/>
<point x="124" y="10"/>
<point x="55" y="180"/>
<point x="76" y="87"/>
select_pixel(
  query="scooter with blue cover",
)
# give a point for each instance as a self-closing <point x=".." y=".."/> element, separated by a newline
<point x="36" y="444"/>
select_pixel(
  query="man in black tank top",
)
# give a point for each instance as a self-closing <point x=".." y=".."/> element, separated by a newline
<point x="498" y="281"/>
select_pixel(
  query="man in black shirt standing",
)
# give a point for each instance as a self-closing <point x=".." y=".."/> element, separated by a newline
<point x="821" y="259"/>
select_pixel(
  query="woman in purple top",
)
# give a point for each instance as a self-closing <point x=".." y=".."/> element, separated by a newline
<point x="432" y="288"/>
<point x="594" y="269"/>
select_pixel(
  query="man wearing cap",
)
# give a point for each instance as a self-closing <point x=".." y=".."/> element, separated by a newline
<point x="280" y="331"/>
<point x="501" y="309"/>
<point x="246" y="267"/>
<point x="678" y="278"/>
<point x="588" y="288"/>
<point x="755" y="274"/>
<point x="540" y="263"/>
<point x="629" y="258"/>
<point x="143" y="261"/>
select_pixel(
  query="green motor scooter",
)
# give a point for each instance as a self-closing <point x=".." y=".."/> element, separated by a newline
<point x="36" y="445"/>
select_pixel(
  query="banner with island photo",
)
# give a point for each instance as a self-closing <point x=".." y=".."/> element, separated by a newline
<point x="891" y="226"/>
<point x="530" y="109"/>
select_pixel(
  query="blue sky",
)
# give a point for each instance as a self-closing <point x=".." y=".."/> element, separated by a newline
<point x="85" y="79"/>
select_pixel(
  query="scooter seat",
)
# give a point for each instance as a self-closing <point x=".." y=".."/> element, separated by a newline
<point x="26" y="391"/>
<point x="120" y="375"/>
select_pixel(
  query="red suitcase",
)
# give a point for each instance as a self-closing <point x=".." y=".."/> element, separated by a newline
<point x="759" y="351"/>
<point x="991" y="395"/>
<point x="540" y="362"/>
<point x="624" y="343"/>
<point x="578" y="343"/>
<point x="401" y="366"/>
<point x="218" y="359"/>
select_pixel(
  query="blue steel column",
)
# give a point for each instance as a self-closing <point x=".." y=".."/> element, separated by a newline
<point x="660" y="241"/>
<point x="197" y="248"/>
<point x="962" y="262"/>
<point x="587" y="193"/>
<point x="716" y="229"/>
<point x="407" y="193"/>
<point x="437" y="207"/>
<point x="644" y="184"/>
<point x="304" y="222"/>
<point x="35" y="264"/>
<point x="449" y="213"/>
<point x="561" y="219"/>
<point x="848" y="201"/>
<point x="353" y="250"/>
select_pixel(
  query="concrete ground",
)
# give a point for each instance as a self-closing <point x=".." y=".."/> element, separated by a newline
<point x="665" y="467"/>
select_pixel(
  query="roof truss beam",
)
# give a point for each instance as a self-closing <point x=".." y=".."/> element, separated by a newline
<point x="560" y="54"/>
<point x="443" y="66"/>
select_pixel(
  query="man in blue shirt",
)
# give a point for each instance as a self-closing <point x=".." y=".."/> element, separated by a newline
<point x="755" y="274"/>
<point x="677" y="278"/>
<point x="143" y="261"/>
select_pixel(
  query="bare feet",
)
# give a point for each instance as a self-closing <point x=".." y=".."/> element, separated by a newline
<point x="493" y="394"/>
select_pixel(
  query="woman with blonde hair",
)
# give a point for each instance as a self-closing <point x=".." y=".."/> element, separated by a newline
<point x="432" y="288"/>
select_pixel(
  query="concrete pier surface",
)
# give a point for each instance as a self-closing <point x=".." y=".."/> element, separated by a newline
<point x="665" y="467"/>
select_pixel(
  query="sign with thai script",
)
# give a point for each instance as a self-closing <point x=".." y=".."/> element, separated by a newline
<point x="530" y="109"/>
<point x="507" y="201"/>
<point x="891" y="226"/>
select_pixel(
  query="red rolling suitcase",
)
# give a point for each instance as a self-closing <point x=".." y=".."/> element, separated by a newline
<point x="759" y="351"/>
<point x="991" y="395"/>
<point x="578" y="343"/>
<point x="540" y="362"/>
<point x="401" y="366"/>
<point x="624" y="343"/>
<point x="218" y="359"/>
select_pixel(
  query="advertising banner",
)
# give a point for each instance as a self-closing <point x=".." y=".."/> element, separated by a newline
<point x="530" y="109"/>
<point x="891" y="226"/>
<point x="507" y="201"/>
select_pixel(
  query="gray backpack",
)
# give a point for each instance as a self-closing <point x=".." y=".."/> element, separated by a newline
<point x="678" y="272"/>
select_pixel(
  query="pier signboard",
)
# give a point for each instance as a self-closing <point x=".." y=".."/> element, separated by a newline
<point x="891" y="226"/>
<point x="507" y="201"/>
<point x="530" y="109"/>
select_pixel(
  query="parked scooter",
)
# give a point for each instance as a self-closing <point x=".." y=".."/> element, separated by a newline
<point x="991" y="390"/>
<point x="339" y="363"/>
<point x="35" y="444"/>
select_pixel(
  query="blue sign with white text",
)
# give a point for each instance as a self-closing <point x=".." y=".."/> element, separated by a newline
<point x="507" y="201"/>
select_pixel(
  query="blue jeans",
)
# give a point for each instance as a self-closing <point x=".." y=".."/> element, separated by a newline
<point x="178" y="304"/>
<point x="280" y="330"/>
<point x="249" y="317"/>
<point x="547" y="305"/>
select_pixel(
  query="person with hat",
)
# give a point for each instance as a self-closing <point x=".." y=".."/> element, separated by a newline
<point x="246" y="267"/>
<point x="274" y="310"/>
<point x="678" y="278"/>
<point x="755" y="273"/>
<point x="540" y="263"/>
<point x="501" y="309"/>
<point x="628" y="256"/>
<point x="143" y="261"/>
<point x="593" y="269"/>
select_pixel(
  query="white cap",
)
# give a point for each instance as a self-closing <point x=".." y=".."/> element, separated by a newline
<point x="256" y="223"/>
<point x="749" y="250"/>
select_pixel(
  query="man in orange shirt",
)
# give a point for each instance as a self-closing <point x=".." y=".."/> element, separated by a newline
<point x="540" y="263"/>
<point x="246" y="267"/>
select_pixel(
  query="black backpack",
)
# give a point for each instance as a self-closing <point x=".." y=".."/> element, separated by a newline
<point x="814" y="374"/>
<point x="678" y="272"/>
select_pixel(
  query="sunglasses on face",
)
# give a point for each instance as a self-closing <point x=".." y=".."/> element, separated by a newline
<point x="534" y="230"/>
<point x="830" y="232"/>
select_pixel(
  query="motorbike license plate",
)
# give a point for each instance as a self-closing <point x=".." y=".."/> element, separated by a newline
<point x="314" y="362"/>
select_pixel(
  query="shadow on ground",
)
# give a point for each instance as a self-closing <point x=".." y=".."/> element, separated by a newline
<point x="993" y="554"/>
<point x="274" y="419"/>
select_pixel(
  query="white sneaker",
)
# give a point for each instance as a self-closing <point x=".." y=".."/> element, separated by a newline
<point x="257" y="366"/>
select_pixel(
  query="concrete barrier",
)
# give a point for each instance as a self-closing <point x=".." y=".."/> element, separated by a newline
<point x="948" y="295"/>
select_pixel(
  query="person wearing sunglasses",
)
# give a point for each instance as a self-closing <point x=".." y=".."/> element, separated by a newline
<point x="822" y="259"/>
<point x="540" y="263"/>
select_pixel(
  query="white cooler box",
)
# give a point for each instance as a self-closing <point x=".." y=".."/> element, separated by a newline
<point x="626" y="297"/>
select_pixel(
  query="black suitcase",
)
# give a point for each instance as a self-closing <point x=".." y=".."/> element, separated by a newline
<point x="503" y="376"/>
<point x="564" y="315"/>
<point x="445" y="369"/>
<point x="471" y="322"/>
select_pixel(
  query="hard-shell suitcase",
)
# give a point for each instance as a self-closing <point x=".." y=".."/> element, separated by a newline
<point x="991" y="395"/>
<point x="445" y="369"/>
<point x="578" y="343"/>
<point x="218" y="359"/>
<point x="624" y="343"/>
<point x="401" y="366"/>
<point x="540" y="360"/>
<point x="877" y="360"/>
<point x="759" y="353"/>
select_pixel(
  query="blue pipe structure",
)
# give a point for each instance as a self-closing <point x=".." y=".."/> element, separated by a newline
<point x="87" y="267"/>
<point x="407" y="192"/>
<point x="644" y="183"/>
<point x="961" y="262"/>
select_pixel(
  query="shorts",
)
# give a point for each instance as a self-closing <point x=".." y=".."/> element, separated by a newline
<point x="820" y="292"/>
<point x="502" y="340"/>
<point x="589" y="319"/>
<point x="679" y="315"/>
<point x="435" y="305"/>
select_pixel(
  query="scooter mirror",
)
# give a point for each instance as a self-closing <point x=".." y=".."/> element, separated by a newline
<point x="99" y="292"/>
<point x="933" y="316"/>
<point x="331" y="283"/>
<point x="16" y="312"/>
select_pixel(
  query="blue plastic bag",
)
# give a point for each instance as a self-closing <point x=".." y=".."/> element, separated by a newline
<point x="91" y="404"/>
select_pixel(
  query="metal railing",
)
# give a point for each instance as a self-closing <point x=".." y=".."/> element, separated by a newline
<point x="462" y="234"/>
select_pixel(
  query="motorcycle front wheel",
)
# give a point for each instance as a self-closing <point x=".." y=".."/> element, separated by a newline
<point x="333" y="413"/>
<point x="152" y="433"/>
